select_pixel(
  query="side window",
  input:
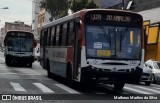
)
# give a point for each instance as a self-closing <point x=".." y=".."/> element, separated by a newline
<point x="60" y="35"/>
<point x="67" y="35"/>
<point x="45" y="37"/>
<point x="42" y="38"/>
<point x="49" y="36"/>
<point x="52" y="35"/>
<point x="57" y="35"/>
<point x="71" y="33"/>
<point x="64" y="34"/>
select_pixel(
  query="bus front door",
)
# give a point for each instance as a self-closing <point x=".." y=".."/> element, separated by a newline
<point x="76" y="52"/>
<point x="42" y="49"/>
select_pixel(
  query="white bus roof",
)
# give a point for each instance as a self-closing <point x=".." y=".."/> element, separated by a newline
<point x="74" y="15"/>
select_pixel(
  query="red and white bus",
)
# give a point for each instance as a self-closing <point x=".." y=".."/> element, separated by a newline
<point x="94" y="44"/>
<point x="19" y="47"/>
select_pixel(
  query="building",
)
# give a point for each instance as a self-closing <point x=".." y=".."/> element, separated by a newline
<point x="39" y="17"/>
<point x="149" y="9"/>
<point x="35" y="14"/>
<point x="43" y="18"/>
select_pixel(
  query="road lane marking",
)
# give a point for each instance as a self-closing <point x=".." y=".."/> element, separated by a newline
<point x="156" y="88"/>
<point x="100" y="93"/>
<point x="67" y="89"/>
<point x="2" y="59"/>
<point x="148" y="89"/>
<point x="7" y="73"/>
<point x="17" y="87"/>
<point x="136" y="90"/>
<point x="154" y="84"/>
<point x="29" y="74"/>
<point x="43" y="88"/>
<point x="3" y="65"/>
<point x="17" y="74"/>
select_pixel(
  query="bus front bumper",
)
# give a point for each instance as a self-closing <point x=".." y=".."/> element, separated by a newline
<point x="20" y="59"/>
<point x="130" y="76"/>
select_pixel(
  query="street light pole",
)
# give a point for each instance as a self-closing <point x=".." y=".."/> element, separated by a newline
<point x="4" y="8"/>
<point x="0" y="21"/>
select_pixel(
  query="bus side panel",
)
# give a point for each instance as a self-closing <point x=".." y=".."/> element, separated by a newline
<point x="57" y="60"/>
<point x="58" y="68"/>
<point x="70" y="54"/>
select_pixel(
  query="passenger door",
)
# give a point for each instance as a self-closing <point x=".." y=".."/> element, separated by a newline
<point x="77" y="50"/>
<point x="43" y="41"/>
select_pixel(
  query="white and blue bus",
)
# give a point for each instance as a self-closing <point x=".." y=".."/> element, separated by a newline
<point x="19" y="47"/>
<point x="101" y="45"/>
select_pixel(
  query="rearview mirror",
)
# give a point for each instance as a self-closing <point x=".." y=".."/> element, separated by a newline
<point x="78" y="23"/>
<point x="150" y="67"/>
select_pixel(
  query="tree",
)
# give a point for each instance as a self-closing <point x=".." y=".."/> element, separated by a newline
<point x="57" y="8"/>
<point x="91" y="5"/>
<point x="77" y="5"/>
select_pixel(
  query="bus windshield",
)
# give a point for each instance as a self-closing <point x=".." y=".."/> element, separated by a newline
<point x="111" y="42"/>
<point x="157" y="65"/>
<point x="20" y="44"/>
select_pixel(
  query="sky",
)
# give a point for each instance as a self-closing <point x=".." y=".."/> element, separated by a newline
<point x="19" y="10"/>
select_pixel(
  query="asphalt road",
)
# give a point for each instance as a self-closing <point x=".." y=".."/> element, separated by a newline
<point x="22" y="81"/>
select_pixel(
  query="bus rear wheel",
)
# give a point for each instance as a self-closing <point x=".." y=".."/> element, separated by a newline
<point x="48" y="69"/>
<point x="119" y="86"/>
<point x="8" y="62"/>
<point x="69" y="75"/>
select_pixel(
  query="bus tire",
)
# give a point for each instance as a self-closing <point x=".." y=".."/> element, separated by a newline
<point x="147" y="83"/>
<point x="48" y="69"/>
<point x="119" y="86"/>
<point x="30" y="64"/>
<point x="69" y="75"/>
<point x="7" y="61"/>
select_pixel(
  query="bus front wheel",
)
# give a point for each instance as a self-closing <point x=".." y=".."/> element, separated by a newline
<point x="30" y="64"/>
<point x="119" y="86"/>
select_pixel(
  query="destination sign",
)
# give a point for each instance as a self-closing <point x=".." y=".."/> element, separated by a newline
<point x="19" y="34"/>
<point x="117" y="18"/>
